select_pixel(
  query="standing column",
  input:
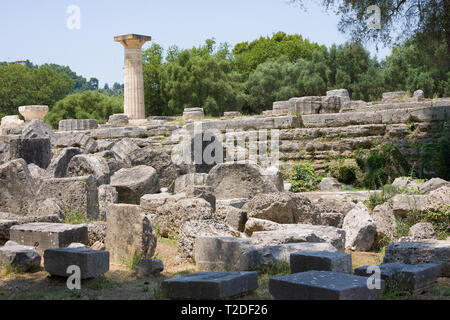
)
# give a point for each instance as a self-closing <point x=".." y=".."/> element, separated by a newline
<point x="134" y="105"/>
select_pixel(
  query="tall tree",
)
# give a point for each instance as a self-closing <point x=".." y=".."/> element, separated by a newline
<point x="399" y="20"/>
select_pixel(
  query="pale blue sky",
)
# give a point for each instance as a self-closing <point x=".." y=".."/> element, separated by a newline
<point x="36" y="30"/>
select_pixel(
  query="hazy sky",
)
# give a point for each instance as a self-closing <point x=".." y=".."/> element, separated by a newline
<point x="37" y="30"/>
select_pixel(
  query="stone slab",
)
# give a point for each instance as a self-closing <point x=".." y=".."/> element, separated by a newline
<point x="92" y="263"/>
<point x="421" y="252"/>
<point x="416" y="279"/>
<point x="210" y="285"/>
<point x="321" y="261"/>
<point x="321" y="285"/>
<point x="45" y="236"/>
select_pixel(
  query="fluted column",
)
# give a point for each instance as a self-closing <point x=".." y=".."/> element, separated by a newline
<point x="134" y="105"/>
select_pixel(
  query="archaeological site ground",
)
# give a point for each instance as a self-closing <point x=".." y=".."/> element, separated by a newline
<point x="181" y="185"/>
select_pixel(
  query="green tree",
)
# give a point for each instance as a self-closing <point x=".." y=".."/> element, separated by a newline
<point x="400" y="20"/>
<point x="20" y="85"/>
<point x="153" y="66"/>
<point x="85" y="105"/>
<point x="200" y="77"/>
<point x="294" y="47"/>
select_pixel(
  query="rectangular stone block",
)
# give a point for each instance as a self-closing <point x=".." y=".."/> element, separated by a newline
<point x="321" y="261"/>
<point x="224" y="254"/>
<point x="210" y="285"/>
<point x="37" y="151"/>
<point x="322" y="285"/>
<point x="421" y="252"/>
<point x="129" y="232"/>
<point x="45" y="236"/>
<point x="77" y="193"/>
<point x="416" y="279"/>
<point x="92" y="263"/>
<point x="78" y="124"/>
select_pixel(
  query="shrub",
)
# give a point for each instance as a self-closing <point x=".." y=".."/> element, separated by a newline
<point x="435" y="159"/>
<point x="387" y="192"/>
<point x="86" y="105"/>
<point x="381" y="165"/>
<point x="344" y="173"/>
<point x="303" y="178"/>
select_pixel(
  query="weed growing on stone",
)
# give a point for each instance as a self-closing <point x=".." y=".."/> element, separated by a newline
<point x="75" y="216"/>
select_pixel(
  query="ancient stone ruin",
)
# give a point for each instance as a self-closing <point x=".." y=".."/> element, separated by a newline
<point x="216" y="185"/>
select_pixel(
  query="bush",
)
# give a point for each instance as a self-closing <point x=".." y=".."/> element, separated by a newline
<point x="435" y="159"/>
<point x="388" y="191"/>
<point x="86" y="105"/>
<point x="303" y="178"/>
<point x="344" y="173"/>
<point x="381" y="165"/>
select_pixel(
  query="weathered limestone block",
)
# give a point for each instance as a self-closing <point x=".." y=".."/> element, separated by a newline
<point x="422" y="230"/>
<point x="360" y="229"/>
<point x="322" y="285"/>
<point x="255" y="225"/>
<point x="321" y="260"/>
<point x="87" y="164"/>
<point x="37" y="151"/>
<point x="38" y="129"/>
<point x="71" y="194"/>
<point x="193" y="114"/>
<point x="45" y="236"/>
<point x="96" y="232"/>
<point x="406" y="183"/>
<point x="280" y="107"/>
<point x="151" y="202"/>
<point x="18" y="256"/>
<point x="231" y="114"/>
<point x="78" y="125"/>
<point x="11" y="122"/>
<point x="59" y="164"/>
<point x="202" y="192"/>
<point x="432" y="184"/>
<point x="131" y="184"/>
<point x="18" y="187"/>
<point x="274" y="174"/>
<point x="330" y="184"/>
<point x="416" y="279"/>
<point x="238" y="254"/>
<point x="224" y="254"/>
<point x="333" y="104"/>
<point x="332" y="219"/>
<point x="239" y="180"/>
<point x="424" y="251"/>
<point x="173" y="214"/>
<point x="404" y="204"/>
<point x="92" y="263"/>
<point x="283" y="207"/>
<point x="49" y="207"/>
<point x="191" y="179"/>
<point x="293" y="233"/>
<point x="305" y="105"/>
<point x="129" y="232"/>
<point x="384" y="218"/>
<point x="106" y="195"/>
<point x="389" y="97"/>
<point x="193" y="229"/>
<point x="118" y="120"/>
<point x="210" y="285"/>
<point x="76" y="140"/>
<point x="234" y="217"/>
<point x="124" y="148"/>
<point x="38" y="173"/>
<point x="161" y="161"/>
